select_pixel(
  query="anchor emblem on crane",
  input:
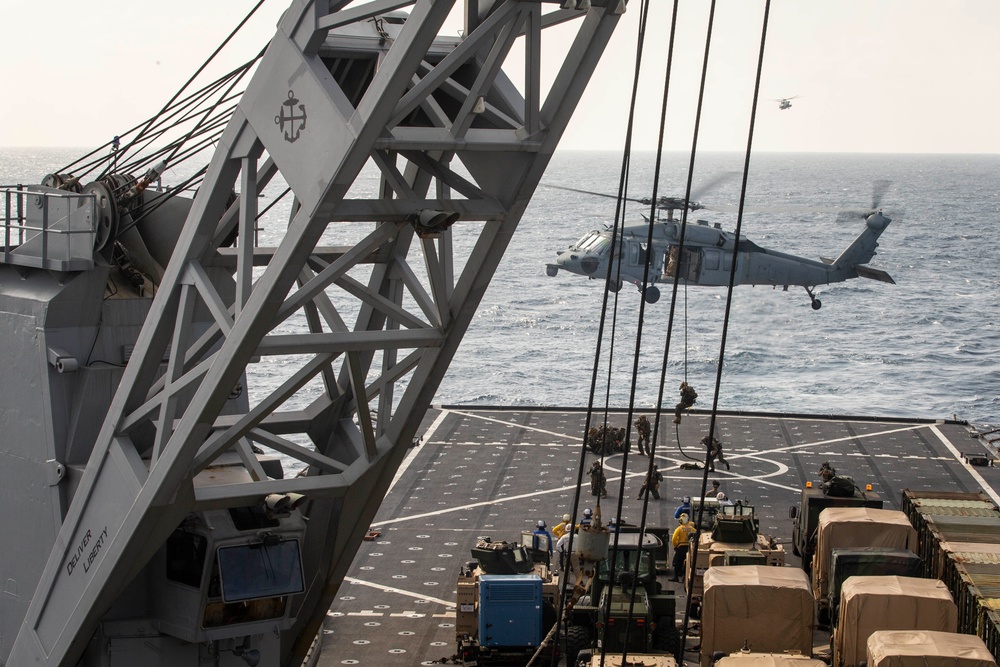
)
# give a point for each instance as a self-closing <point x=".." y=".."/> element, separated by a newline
<point x="295" y="123"/>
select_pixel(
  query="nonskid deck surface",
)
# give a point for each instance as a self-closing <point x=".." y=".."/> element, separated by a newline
<point x="496" y="472"/>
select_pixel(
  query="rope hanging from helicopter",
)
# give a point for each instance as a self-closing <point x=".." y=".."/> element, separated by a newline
<point x="709" y="439"/>
<point x="618" y="224"/>
<point x="711" y="449"/>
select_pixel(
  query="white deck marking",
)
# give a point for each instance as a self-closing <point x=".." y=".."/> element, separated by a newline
<point x="400" y="591"/>
<point x="972" y="471"/>
<point x="413" y="451"/>
<point x="500" y="421"/>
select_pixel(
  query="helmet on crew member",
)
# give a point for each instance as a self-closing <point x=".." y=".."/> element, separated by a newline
<point x="588" y="512"/>
<point x="687" y="499"/>
<point x="683" y="518"/>
<point x="567" y="517"/>
<point x="540" y="524"/>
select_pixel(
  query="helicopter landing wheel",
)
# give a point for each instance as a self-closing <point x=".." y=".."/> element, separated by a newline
<point x="652" y="294"/>
<point x="614" y="286"/>
<point x="813" y="301"/>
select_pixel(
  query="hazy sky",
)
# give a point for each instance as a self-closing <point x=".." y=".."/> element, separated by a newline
<point x="871" y="75"/>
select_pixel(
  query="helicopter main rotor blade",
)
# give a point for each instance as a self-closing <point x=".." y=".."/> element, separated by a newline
<point x="879" y="188"/>
<point x="590" y="192"/>
<point x="712" y="183"/>
<point x="786" y="209"/>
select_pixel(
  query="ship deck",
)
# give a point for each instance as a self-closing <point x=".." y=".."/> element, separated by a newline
<point x="497" y="471"/>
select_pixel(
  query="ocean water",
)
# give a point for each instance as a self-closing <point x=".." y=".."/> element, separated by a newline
<point x="927" y="347"/>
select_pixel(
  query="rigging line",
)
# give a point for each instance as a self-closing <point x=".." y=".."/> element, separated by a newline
<point x="216" y="128"/>
<point x="141" y="157"/>
<point x="685" y="329"/>
<point x="693" y="551"/>
<point x="208" y="112"/>
<point x="626" y="159"/>
<point x="191" y="79"/>
<point x="729" y="299"/>
<point x="620" y="224"/>
<point x="656" y="178"/>
<point x="187" y="113"/>
<point x="184" y="102"/>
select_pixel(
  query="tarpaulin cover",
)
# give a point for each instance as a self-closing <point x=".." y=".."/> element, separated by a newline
<point x="845" y="527"/>
<point x="770" y="608"/>
<point x="868" y="604"/>
<point x="927" y="648"/>
<point x="769" y="660"/>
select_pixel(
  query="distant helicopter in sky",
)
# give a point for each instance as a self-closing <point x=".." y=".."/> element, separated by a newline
<point x="785" y="102"/>
<point x="705" y="256"/>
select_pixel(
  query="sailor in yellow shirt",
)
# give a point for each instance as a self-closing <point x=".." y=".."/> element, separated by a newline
<point x="681" y="543"/>
<point x="560" y="528"/>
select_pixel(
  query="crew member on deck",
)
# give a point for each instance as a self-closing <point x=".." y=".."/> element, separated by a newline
<point x="681" y="543"/>
<point x="652" y="483"/>
<point x="642" y="428"/>
<point x="714" y="452"/>
<point x="683" y="508"/>
<point x="560" y="529"/>
<point x="540" y="534"/>
<point x="598" y="482"/>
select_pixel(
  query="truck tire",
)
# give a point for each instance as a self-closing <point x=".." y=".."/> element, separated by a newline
<point x="666" y="638"/>
<point x="577" y="639"/>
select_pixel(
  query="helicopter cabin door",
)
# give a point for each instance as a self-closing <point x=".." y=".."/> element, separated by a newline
<point x="689" y="264"/>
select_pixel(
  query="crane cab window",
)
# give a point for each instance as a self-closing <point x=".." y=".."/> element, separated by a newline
<point x="260" y="570"/>
<point x="186" y="557"/>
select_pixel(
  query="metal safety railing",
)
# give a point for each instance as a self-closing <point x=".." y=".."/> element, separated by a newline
<point x="48" y="228"/>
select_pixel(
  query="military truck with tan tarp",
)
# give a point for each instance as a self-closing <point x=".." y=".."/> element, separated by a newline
<point x="751" y="659"/>
<point x="633" y="660"/>
<point x="735" y="539"/>
<point x="847" y="527"/>
<point x="927" y="648"/>
<point x="870" y="604"/>
<point x="768" y="609"/>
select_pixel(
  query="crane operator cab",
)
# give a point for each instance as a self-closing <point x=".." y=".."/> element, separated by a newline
<point x="230" y="572"/>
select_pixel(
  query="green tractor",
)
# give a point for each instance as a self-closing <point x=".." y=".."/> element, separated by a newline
<point x="626" y="610"/>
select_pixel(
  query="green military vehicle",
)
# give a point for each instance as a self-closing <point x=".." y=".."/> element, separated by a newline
<point x="806" y="516"/>
<point x="601" y="616"/>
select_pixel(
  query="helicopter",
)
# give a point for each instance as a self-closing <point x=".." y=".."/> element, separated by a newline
<point x="785" y="102"/>
<point x="705" y="256"/>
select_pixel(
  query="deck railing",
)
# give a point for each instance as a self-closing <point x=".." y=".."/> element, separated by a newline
<point x="48" y="228"/>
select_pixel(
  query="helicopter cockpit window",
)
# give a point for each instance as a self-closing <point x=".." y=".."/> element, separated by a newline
<point x="588" y="242"/>
<point x="263" y="569"/>
<point x="594" y="242"/>
<point x="600" y="246"/>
